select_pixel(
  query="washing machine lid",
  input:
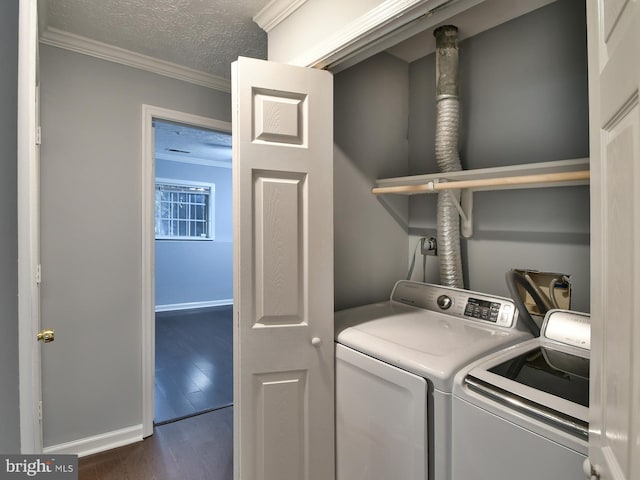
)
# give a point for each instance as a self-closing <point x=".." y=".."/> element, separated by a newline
<point x="545" y="377"/>
<point x="430" y="344"/>
<point x="537" y="381"/>
<point x="549" y="370"/>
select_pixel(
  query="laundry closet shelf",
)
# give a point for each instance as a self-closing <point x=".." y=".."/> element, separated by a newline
<point x="558" y="173"/>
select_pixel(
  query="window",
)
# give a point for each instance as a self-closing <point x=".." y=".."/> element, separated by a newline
<point x="184" y="210"/>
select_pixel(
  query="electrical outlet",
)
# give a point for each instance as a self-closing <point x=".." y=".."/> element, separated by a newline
<point x="429" y="246"/>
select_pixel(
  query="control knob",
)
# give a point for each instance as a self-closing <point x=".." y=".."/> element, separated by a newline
<point x="444" y="302"/>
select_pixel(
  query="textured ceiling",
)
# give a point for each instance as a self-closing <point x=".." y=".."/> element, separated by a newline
<point x="205" y="35"/>
<point x="175" y="140"/>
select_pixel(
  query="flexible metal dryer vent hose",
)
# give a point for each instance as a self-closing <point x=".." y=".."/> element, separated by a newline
<point x="447" y="126"/>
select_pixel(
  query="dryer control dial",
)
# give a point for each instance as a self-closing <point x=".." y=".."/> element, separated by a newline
<point x="444" y="302"/>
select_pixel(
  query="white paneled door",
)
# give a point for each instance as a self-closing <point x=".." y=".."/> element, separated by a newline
<point x="283" y="271"/>
<point x="614" y="49"/>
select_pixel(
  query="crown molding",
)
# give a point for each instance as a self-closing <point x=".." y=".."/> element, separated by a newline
<point x="79" y="44"/>
<point x="275" y="12"/>
<point x="394" y="21"/>
<point x="384" y="19"/>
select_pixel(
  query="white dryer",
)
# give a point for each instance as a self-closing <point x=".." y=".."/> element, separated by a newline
<point x="523" y="412"/>
<point x="395" y="364"/>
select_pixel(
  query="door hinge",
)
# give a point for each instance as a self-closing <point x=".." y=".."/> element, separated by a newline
<point x="38" y="274"/>
<point x="40" y="410"/>
<point x="38" y="135"/>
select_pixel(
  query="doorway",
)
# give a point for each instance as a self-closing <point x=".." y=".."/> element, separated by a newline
<point x="193" y="271"/>
<point x="187" y="266"/>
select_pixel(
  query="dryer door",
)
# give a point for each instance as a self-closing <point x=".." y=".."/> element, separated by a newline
<point x="381" y="422"/>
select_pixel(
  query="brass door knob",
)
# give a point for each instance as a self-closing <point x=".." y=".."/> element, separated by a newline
<point x="47" y="336"/>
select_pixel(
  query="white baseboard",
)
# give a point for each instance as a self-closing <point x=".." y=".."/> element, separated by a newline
<point x="191" y="305"/>
<point x="98" y="443"/>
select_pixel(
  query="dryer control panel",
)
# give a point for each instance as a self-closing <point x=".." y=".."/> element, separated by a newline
<point x="457" y="302"/>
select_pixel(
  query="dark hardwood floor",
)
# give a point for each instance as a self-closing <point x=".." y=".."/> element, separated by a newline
<point x="196" y="448"/>
<point x="194" y="374"/>
<point x="194" y="362"/>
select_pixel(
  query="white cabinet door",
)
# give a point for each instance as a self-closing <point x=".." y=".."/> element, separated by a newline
<point x="614" y="64"/>
<point x="283" y="271"/>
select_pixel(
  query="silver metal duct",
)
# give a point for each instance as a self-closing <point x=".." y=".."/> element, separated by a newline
<point x="447" y="126"/>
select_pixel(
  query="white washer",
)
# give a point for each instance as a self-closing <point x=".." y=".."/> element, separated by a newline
<point x="523" y="412"/>
<point x="395" y="364"/>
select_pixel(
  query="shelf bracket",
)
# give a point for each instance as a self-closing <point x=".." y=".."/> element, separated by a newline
<point x="465" y="210"/>
<point x="466" y="200"/>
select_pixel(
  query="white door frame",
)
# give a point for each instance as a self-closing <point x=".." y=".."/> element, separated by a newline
<point x="149" y="113"/>
<point x="28" y="232"/>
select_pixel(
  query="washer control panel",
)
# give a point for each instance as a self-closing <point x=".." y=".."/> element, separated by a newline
<point x="568" y="327"/>
<point x="455" y="301"/>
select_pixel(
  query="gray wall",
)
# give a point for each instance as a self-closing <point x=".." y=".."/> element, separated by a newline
<point x="201" y="270"/>
<point x="9" y="394"/>
<point x="524" y="99"/>
<point x="91" y="235"/>
<point x="370" y="135"/>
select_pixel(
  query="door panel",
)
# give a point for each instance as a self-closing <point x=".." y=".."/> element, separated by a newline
<point x="283" y="272"/>
<point x="619" y="243"/>
<point x="280" y="206"/>
<point x="281" y="425"/>
<point x="614" y="40"/>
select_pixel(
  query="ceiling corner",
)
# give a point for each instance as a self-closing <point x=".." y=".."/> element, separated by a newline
<point x="275" y="12"/>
